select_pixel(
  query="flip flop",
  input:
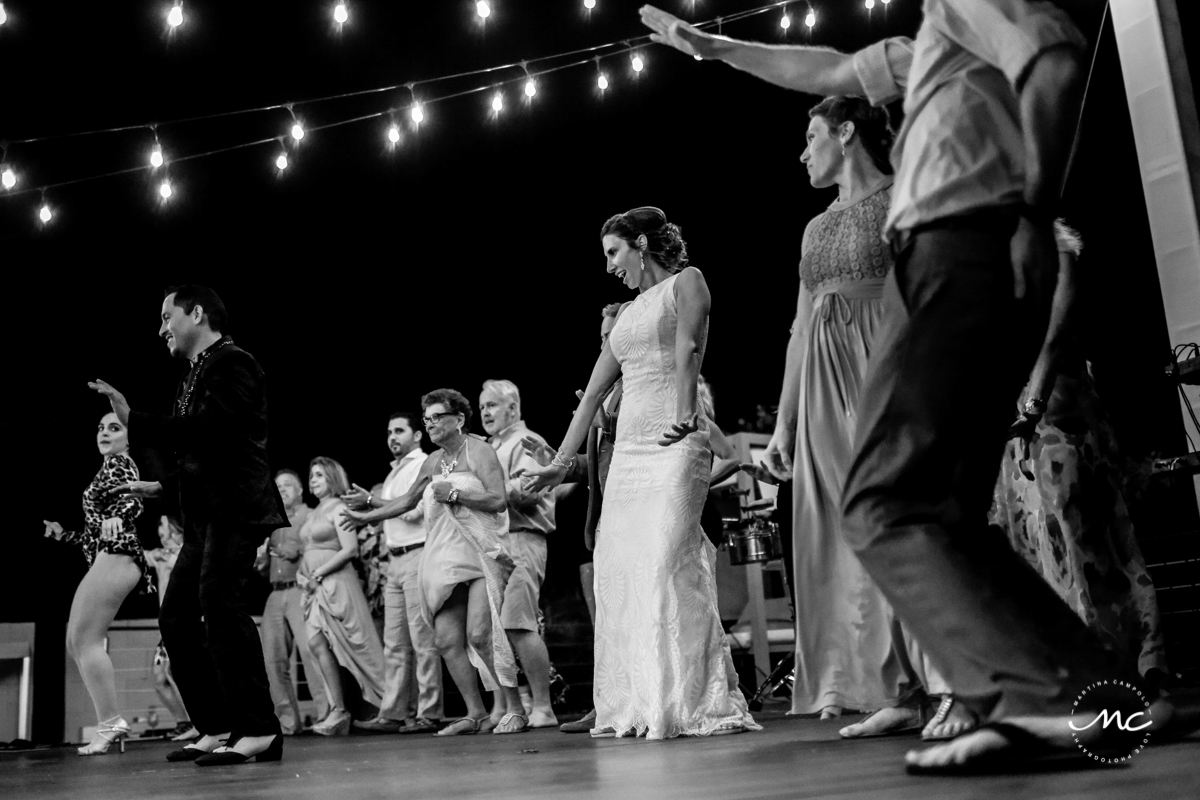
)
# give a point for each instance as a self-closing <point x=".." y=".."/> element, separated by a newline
<point x="512" y="723"/>
<point x="1025" y="753"/>
<point x="458" y="728"/>
<point x="906" y="730"/>
<point x="943" y="711"/>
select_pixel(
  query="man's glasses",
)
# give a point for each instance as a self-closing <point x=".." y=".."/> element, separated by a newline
<point x="436" y="417"/>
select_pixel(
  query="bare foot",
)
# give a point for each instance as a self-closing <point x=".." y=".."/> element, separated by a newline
<point x="885" y="720"/>
<point x="953" y="719"/>
<point x="985" y="744"/>
<point x="831" y="712"/>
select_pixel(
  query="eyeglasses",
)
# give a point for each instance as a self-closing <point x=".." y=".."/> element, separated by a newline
<point x="436" y="417"/>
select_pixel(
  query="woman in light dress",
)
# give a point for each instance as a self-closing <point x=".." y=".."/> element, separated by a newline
<point x="663" y="667"/>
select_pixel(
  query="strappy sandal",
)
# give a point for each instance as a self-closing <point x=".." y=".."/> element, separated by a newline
<point x="940" y="716"/>
<point x="904" y="730"/>
<point x="512" y="723"/>
<point x="460" y="727"/>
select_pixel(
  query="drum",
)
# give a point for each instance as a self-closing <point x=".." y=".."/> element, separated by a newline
<point x="753" y="543"/>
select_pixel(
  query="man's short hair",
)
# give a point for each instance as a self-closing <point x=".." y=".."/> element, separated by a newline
<point x="506" y="389"/>
<point x="190" y="295"/>
<point x="416" y="423"/>
<point x="292" y="473"/>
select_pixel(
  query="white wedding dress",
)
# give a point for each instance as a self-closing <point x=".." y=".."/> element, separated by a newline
<point x="663" y="668"/>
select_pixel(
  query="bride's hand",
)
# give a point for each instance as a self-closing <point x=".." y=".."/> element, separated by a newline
<point x="680" y="431"/>
<point x="535" y="479"/>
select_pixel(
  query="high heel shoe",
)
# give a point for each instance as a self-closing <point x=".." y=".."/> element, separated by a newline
<point x="336" y="724"/>
<point x="227" y="756"/>
<point x="107" y="732"/>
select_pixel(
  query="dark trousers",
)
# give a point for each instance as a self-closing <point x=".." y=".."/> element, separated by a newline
<point x="953" y="354"/>
<point x="216" y="655"/>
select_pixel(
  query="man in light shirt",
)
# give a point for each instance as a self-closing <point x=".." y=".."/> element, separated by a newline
<point x="991" y="92"/>
<point x="283" y="616"/>
<point x="530" y="519"/>
<point x="410" y="654"/>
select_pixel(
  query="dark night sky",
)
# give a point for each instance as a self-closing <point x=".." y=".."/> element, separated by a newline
<point x="364" y="278"/>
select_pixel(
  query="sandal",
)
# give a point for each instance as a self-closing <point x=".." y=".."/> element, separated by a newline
<point x="901" y="730"/>
<point x="460" y="727"/>
<point x="512" y="723"/>
<point x="939" y="718"/>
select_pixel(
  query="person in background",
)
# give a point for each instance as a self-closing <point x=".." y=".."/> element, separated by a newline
<point x="283" y="628"/>
<point x="162" y="559"/>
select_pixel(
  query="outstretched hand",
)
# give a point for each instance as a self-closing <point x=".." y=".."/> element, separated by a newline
<point x="53" y="529"/>
<point x="541" y="452"/>
<point x="356" y="498"/>
<point x="680" y="431"/>
<point x="143" y="490"/>
<point x="670" y="30"/>
<point x="535" y="479"/>
<point x="352" y="520"/>
<point x="120" y="405"/>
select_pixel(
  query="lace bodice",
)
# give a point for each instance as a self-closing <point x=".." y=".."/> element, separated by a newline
<point x="846" y="244"/>
<point x="643" y="342"/>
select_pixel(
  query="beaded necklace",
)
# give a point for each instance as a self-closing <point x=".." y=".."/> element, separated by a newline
<point x="190" y="386"/>
<point x="448" y="468"/>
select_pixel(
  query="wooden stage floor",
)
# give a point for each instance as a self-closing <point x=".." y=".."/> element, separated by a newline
<point x="790" y="758"/>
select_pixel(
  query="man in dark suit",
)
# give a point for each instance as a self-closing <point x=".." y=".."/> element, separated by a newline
<point x="216" y="440"/>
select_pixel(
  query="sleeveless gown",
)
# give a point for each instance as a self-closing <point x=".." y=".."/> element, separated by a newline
<point x="663" y="667"/>
<point x="843" y="624"/>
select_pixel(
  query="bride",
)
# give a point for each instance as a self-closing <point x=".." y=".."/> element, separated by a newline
<point x="663" y="668"/>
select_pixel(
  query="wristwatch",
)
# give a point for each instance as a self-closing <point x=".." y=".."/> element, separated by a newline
<point x="452" y="498"/>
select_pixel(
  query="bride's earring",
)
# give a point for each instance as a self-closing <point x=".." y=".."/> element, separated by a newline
<point x="641" y="259"/>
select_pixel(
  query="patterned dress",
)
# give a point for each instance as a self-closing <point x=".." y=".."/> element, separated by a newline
<point x="1059" y="499"/>
<point x="843" y="624"/>
<point x="117" y="470"/>
<point x="663" y="667"/>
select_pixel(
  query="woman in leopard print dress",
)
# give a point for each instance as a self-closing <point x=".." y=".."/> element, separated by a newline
<point x="117" y="567"/>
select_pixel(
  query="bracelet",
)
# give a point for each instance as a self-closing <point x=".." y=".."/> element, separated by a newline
<point x="370" y="501"/>
<point x="1035" y="406"/>
<point x="559" y="461"/>
<point x="452" y="498"/>
<point x="318" y="578"/>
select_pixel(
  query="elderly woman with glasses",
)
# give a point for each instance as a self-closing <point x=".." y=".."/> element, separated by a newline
<point x="464" y="566"/>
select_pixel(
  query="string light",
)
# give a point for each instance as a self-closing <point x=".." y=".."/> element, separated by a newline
<point x="340" y="15"/>
<point x="4" y="14"/>
<point x="164" y="189"/>
<point x="785" y="21"/>
<point x="297" y="131"/>
<point x="44" y="213"/>
<point x="393" y="133"/>
<point x="602" y="81"/>
<point x="281" y="163"/>
<point x="869" y="4"/>
<point x="589" y="4"/>
<point x="8" y="177"/>
<point x="156" y="156"/>
<point x="498" y="102"/>
<point x="175" y="15"/>
<point x="810" y="19"/>
<point x="484" y="9"/>
<point x="530" y="88"/>
<point x="417" y="114"/>
<point x="638" y="64"/>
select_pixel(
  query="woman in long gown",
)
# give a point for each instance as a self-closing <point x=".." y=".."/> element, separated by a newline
<point x="116" y="567"/>
<point x="843" y="626"/>
<point x="663" y="667"/>
<point x="338" y="619"/>
<point x="464" y="564"/>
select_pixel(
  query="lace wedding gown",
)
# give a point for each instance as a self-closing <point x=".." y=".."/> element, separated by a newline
<point x="663" y="667"/>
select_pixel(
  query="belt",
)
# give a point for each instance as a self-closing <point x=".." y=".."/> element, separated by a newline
<point x="1001" y="221"/>
<point x="279" y="586"/>
<point x="408" y="548"/>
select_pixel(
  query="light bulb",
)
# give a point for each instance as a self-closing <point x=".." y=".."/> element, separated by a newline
<point x="281" y="163"/>
<point x="44" y="214"/>
<point x="394" y="134"/>
<point x="156" y="157"/>
<point x="869" y="4"/>
<point x="484" y="9"/>
<point x="297" y="131"/>
<point x="8" y="178"/>
<point x="498" y="103"/>
<point x="175" y="16"/>
<point x="589" y="4"/>
<point x="638" y="63"/>
<point x="885" y="2"/>
<point x="785" y="22"/>
<point x="530" y="88"/>
<point x="4" y="14"/>
<point x="339" y="13"/>
<point x="810" y="19"/>
<point x="164" y="190"/>
<point x="602" y="82"/>
<point x="698" y="57"/>
<point x="417" y="113"/>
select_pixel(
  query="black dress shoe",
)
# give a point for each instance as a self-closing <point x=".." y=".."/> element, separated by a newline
<point x="185" y="754"/>
<point x="274" y="752"/>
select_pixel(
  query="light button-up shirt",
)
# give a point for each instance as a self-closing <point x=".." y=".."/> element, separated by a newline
<point x="534" y="513"/>
<point x="399" y="532"/>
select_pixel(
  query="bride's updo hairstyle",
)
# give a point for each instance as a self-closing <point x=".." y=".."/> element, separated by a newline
<point x="664" y="240"/>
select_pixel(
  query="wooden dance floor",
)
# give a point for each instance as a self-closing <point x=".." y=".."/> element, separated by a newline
<point x="790" y="758"/>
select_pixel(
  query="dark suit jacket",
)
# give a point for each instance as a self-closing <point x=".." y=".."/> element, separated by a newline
<point x="216" y="454"/>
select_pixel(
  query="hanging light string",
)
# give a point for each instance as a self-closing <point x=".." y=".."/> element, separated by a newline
<point x="624" y="46"/>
